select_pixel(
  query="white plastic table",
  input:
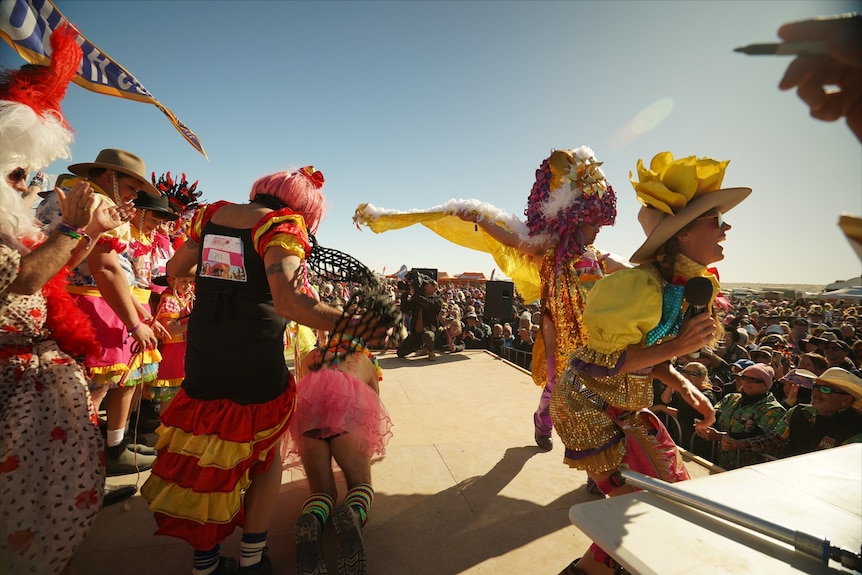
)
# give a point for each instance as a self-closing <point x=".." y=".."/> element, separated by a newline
<point x="818" y="493"/>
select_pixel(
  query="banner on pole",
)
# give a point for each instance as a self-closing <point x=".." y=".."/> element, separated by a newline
<point x="27" y="25"/>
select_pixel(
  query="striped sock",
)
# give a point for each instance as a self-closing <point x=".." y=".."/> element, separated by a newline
<point x="251" y="550"/>
<point x="320" y="504"/>
<point x="206" y="562"/>
<point x="360" y="497"/>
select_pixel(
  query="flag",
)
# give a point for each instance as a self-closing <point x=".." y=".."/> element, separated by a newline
<point x="27" y="25"/>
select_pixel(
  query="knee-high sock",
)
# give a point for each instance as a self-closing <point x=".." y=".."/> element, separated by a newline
<point x="360" y="497"/>
<point x="320" y="505"/>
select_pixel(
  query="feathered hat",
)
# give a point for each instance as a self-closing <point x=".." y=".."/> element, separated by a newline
<point x="30" y="104"/>
<point x="570" y="190"/>
<point x="182" y="197"/>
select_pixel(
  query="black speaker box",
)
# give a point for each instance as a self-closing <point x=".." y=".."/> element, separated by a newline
<point x="498" y="300"/>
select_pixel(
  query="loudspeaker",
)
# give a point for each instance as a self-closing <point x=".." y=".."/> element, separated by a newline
<point x="498" y="301"/>
<point x="430" y="272"/>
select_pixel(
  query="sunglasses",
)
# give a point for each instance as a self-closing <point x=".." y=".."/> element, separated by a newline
<point x="826" y="390"/>
<point x="692" y="373"/>
<point x="17" y="175"/>
<point x="719" y="219"/>
<point x="750" y="379"/>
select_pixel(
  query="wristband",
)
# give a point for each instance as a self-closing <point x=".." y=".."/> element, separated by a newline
<point x="136" y="328"/>
<point x="72" y="232"/>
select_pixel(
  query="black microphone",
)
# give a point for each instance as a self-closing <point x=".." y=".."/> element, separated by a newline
<point x="698" y="292"/>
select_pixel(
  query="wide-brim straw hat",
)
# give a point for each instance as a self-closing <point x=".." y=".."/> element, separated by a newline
<point x="118" y="161"/>
<point x="659" y="227"/>
<point x="845" y="381"/>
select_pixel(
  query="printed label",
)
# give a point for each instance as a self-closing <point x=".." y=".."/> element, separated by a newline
<point x="222" y="258"/>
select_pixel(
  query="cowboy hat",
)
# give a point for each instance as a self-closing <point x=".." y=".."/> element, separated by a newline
<point x="660" y="227"/>
<point x="156" y="204"/>
<point x="845" y="381"/>
<point x="118" y="161"/>
<point x="673" y="193"/>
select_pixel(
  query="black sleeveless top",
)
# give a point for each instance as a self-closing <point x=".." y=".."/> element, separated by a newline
<point x="235" y="342"/>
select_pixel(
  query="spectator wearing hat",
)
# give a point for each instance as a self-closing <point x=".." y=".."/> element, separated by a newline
<point x="796" y="387"/>
<point x="813" y="362"/>
<point x="798" y="332"/>
<point x="833" y="419"/>
<point x="104" y="288"/>
<point x="735" y="342"/>
<point x="836" y="351"/>
<point x="735" y="369"/>
<point x="752" y="413"/>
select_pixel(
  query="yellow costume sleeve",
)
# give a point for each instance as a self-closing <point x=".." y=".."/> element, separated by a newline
<point x="621" y="309"/>
<point x="520" y="267"/>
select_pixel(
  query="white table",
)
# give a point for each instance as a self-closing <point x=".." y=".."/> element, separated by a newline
<point x="818" y="493"/>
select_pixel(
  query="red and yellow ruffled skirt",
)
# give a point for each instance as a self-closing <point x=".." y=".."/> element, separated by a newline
<point x="209" y="451"/>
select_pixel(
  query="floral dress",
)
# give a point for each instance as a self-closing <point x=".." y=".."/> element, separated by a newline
<point x="51" y="476"/>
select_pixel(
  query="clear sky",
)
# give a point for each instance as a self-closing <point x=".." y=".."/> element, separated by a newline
<point x="409" y="104"/>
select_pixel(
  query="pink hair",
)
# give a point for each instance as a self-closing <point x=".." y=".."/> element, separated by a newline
<point x="297" y="191"/>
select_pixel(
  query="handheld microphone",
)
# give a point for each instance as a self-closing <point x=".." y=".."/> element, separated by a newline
<point x="698" y="292"/>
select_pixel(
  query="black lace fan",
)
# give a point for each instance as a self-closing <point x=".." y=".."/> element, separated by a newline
<point x="368" y="313"/>
<point x="335" y="266"/>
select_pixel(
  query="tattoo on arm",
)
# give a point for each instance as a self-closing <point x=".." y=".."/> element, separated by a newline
<point x="274" y="269"/>
<point x="281" y="267"/>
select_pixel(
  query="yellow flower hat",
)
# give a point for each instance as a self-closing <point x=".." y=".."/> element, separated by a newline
<point x="673" y="193"/>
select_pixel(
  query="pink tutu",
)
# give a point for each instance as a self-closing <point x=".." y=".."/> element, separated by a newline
<point x="332" y="403"/>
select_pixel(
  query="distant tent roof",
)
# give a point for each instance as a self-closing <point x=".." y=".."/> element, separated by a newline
<point x="472" y="276"/>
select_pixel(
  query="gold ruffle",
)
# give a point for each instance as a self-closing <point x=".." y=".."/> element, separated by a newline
<point x="183" y="503"/>
<point x="211" y="450"/>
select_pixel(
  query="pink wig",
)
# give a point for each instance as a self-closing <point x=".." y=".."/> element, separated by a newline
<point x="301" y="191"/>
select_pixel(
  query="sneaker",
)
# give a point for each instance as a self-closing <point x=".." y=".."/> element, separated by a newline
<point x="351" y="547"/>
<point x="117" y="493"/>
<point x="226" y="566"/>
<point x="309" y="552"/>
<point x="263" y="568"/>
<point x="140" y="448"/>
<point x="121" y="461"/>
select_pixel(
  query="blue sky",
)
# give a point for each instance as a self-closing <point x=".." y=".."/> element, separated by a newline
<point x="409" y="104"/>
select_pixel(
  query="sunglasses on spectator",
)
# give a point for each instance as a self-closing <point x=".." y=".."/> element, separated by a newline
<point x="17" y="175"/>
<point x="826" y="390"/>
<point x="750" y="379"/>
<point x="719" y="219"/>
<point x="692" y="373"/>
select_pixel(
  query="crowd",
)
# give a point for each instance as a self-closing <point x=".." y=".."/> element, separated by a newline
<point x="121" y="289"/>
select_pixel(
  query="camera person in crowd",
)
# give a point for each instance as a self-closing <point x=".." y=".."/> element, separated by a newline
<point x="420" y="302"/>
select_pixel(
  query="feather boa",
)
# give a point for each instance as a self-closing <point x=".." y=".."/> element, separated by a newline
<point x="68" y="325"/>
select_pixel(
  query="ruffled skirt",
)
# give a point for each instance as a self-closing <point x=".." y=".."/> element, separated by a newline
<point x="117" y="358"/>
<point x="209" y="451"/>
<point x="332" y="403"/>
